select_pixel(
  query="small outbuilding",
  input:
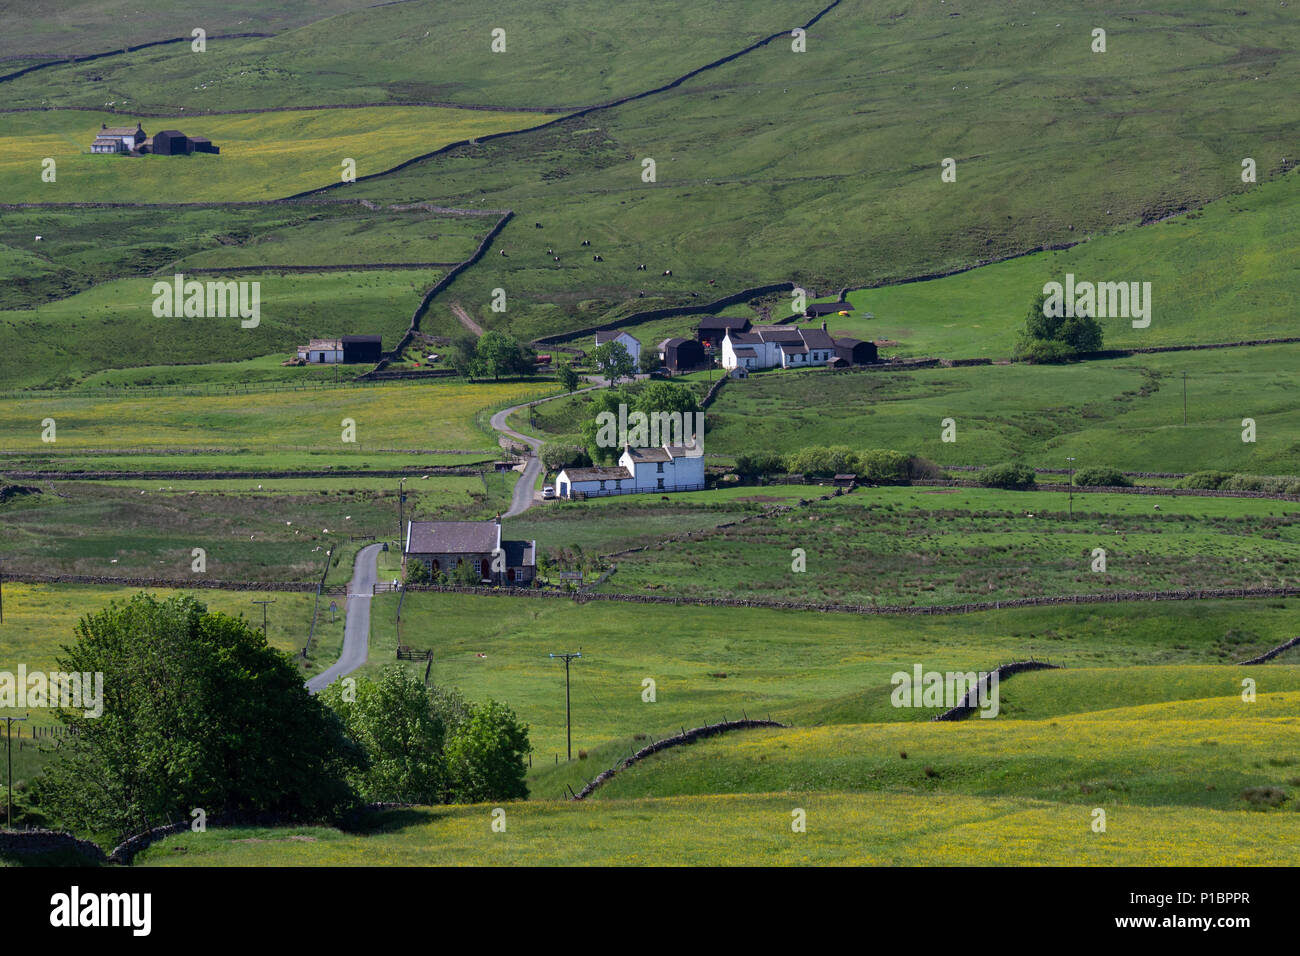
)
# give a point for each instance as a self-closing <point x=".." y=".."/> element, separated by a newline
<point x="820" y="309"/>
<point x="362" y="348"/>
<point x="855" y="351"/>
<point x="682" y="355"/>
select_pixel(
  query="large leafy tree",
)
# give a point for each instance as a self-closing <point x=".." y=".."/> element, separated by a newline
<point x="1050" y="338"/>
<point x="486" y="754"/>
<point x="394" y="720"/>
<point x="613" y="361"/>
<point x="198" y="712"/>
<point x="499" y="353"/>
<point x="567" y="375"/>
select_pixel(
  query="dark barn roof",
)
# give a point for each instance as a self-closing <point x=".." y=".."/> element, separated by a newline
<point x="829" y="308"/>
<point x="721" y="323"/>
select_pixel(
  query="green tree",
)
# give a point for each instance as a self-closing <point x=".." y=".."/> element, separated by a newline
<point x="1049" y="338"/>
<point x="649" y="361"/>
<point x="393" y="720"/>
<point x="881" y="465"/>
<point x="666" y="397"/>
<point x="1101" y="476"/>
<point x="417" y="572"/>
<point x="556" y="456"/>
<point x="467" y="573"/>
<point x="613" y="361"/>
<point x="499" y="353"/>
<point x="567" y="375"/>
<point x="198" y="711"/>
<point x="1010" y="475"/>
<point x="462" y="355"/>
<point x="751" y="464"/>
<point x="486" y="755"/>
<point x="822" y="462"/>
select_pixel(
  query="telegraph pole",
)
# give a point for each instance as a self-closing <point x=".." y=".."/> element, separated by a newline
<point x="568" y="713"/>
<point x="264" y="604"/>
<point x="1071" y="461"/>
<point x="401" y="518"/>
<point x="1184" y="398"/>
<point x="9" y="790"/>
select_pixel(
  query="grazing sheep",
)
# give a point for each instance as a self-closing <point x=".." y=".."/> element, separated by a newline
<point x="503" y="252"/>
<point x="668" y="272"/>
<point x="557" y="258"/>
<point x="537" y="225"/>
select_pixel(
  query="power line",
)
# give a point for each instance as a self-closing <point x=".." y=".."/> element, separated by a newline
<point x="568" y="712"/>
<point x="264" y="604"/>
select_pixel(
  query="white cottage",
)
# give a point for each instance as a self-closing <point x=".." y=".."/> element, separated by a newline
<point x="629" y="342"/>
<point x="118" y="139"/>
<point x="322" y="352"/>
<point x="777" y="346"/>
<point x="639" y="471"/>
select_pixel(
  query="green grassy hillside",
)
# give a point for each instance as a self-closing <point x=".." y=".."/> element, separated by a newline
<point x="755" y="830"/>
<point x="263" y="155"/>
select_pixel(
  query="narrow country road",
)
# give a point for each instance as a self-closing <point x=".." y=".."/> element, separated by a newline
<point x="356" y="627"/>
<point x="525" y="494"/>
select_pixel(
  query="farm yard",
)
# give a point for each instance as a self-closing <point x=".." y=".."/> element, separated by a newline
<point x="529" y="175"/>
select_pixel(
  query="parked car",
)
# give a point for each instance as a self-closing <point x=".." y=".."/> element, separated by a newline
<point x="548" y="492"/>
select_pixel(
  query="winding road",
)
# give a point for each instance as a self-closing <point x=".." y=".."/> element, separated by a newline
<point x="525" y="494"/>
<point x="356" y="627"/>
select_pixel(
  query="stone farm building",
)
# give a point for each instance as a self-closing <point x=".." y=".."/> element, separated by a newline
<point x="350" y="349"/>
<point x="629" y="342"/>
<point x="444" y="545"/>
<point x="118" y="139"/>
<point x="639" y="471"/>
<point x="168" y="142"/>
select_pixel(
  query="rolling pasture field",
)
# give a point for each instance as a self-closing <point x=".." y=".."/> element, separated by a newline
<point x="644" y="156"/>
<point x="437" y="416"/>
<point x="935" y="546"/>
<point x="844" y="829"/>
<point x="263" y="155"/>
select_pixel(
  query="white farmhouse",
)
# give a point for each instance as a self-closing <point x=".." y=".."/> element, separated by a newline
<point x="777" y="346"/>
<point x="322" y="351"/>
<point x="639" y="471"/>
<point x="629" y="342"/>
<point x="118" y="139"/>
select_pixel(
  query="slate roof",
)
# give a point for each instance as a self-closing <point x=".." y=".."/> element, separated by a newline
<point x="649" y="454"/>
<point x="603" y="337"/>
<point x="452" y="537"/>
<point x="719" y="322"/>
<point x="597" y="474"/>
<point x="520" y="554"/>
<point x="818" y="339"/>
